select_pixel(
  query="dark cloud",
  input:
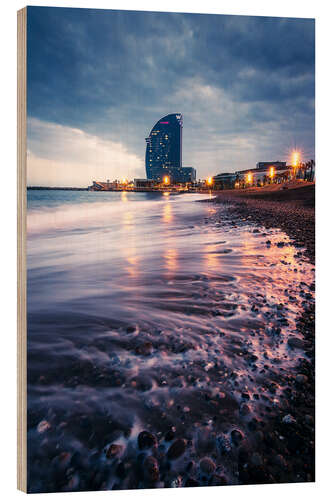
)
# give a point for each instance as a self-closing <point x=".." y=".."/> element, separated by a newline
<point x="235" y="78"/>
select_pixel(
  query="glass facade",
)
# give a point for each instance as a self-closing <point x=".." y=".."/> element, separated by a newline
<point x="164" y="150"/>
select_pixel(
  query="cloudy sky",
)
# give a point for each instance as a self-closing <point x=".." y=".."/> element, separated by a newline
<point x="98" y="80"/>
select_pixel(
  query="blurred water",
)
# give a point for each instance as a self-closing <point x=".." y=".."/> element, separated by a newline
<point x="147" y="311"/>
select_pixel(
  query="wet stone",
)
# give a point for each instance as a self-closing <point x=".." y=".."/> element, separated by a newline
<point x="176" y="449"/>
<point x="146" y="440"/>
<point x="43" y="426"/>
<point x="151" y="469"/>
<point x="295" y="343"/>
<point x="236" y="436"/>
<point x="114" y="450"/>
<point x="207" y="466"/>
<point x="301" y="379"/>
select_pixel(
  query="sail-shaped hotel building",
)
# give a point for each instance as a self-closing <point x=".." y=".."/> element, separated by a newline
<point x="164" y="151"/>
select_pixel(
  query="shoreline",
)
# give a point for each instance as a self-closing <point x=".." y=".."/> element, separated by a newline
<point x="290" y="208"/>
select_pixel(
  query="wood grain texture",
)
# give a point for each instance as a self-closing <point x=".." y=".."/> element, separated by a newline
<point x="21" y="251"/>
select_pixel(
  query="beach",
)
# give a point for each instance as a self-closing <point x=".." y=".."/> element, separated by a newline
<point x="170" y="342"/>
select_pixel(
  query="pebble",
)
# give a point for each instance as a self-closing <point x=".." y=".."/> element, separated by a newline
<point x="43" y="426"/>
<point x="176" y="449"/>
<point x="146" y="440"/>
<point x="151" y="469"/>
<point x="301" y="379"/>
<point x="289" y="419"/>
<point x="114" y="450"/>
<point x="236" y="436"/>
<point x="207" y="465"/>
<point x="295" y="342"/>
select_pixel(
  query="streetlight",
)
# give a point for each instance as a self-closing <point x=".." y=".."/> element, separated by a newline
<point x="166" y="180"/>
<point x="295" y="157"/>
<point x="209" y="181"/>
<point x="249" y="178"/>
<point x="271" y="172"/>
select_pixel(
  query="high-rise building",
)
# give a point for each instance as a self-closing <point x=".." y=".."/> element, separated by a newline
<point x="164" y="150"/>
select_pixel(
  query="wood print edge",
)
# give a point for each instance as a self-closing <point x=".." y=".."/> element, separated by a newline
<point x="21" y="253"/>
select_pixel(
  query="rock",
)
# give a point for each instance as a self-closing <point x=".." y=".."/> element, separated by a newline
<point x="207" y="466"/>
<point x="177" y="482"/>
<point x="146" y="440"/>
<point x="114" y="450"/>
<point x="176" y="449"/>
<point x="43" y="426"/>
<point x="301" y="379"/>
<point x="151" y="469"/>
<point x="236" y="436"/>
<point x="289" y="419"/>
<point x="295" y="343"/>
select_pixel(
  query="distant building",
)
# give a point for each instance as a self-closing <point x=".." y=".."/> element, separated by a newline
<point x="260" y="175"/>
<point x="224" y="180"/>
<point x="144" y="183"/>
<point x="103" y="186"/>
<point x="266" y="164"/>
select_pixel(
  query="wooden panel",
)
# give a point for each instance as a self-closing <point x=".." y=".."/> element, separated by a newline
<point x="21" y="251"/>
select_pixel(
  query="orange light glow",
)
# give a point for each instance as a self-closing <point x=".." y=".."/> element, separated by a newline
<point x="166" y="180"/>
<point x="209" y="181"/>
<point x="295" y="158"/>
<point x="249" y="178"/>
<point x="272" y="172"/>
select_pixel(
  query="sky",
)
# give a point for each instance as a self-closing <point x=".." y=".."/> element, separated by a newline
<point x="98" y="80"/>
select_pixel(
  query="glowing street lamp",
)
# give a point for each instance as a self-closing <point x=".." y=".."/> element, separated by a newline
<point x="209" y="181"/>
<point x="166" y="180"/>
<point x="295" y="158"/>
<point x="271" y="172"/>
<point x="249" y="178"/>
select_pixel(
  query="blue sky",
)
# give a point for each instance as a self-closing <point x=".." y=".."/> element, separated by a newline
<point x="98" y="80"/>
